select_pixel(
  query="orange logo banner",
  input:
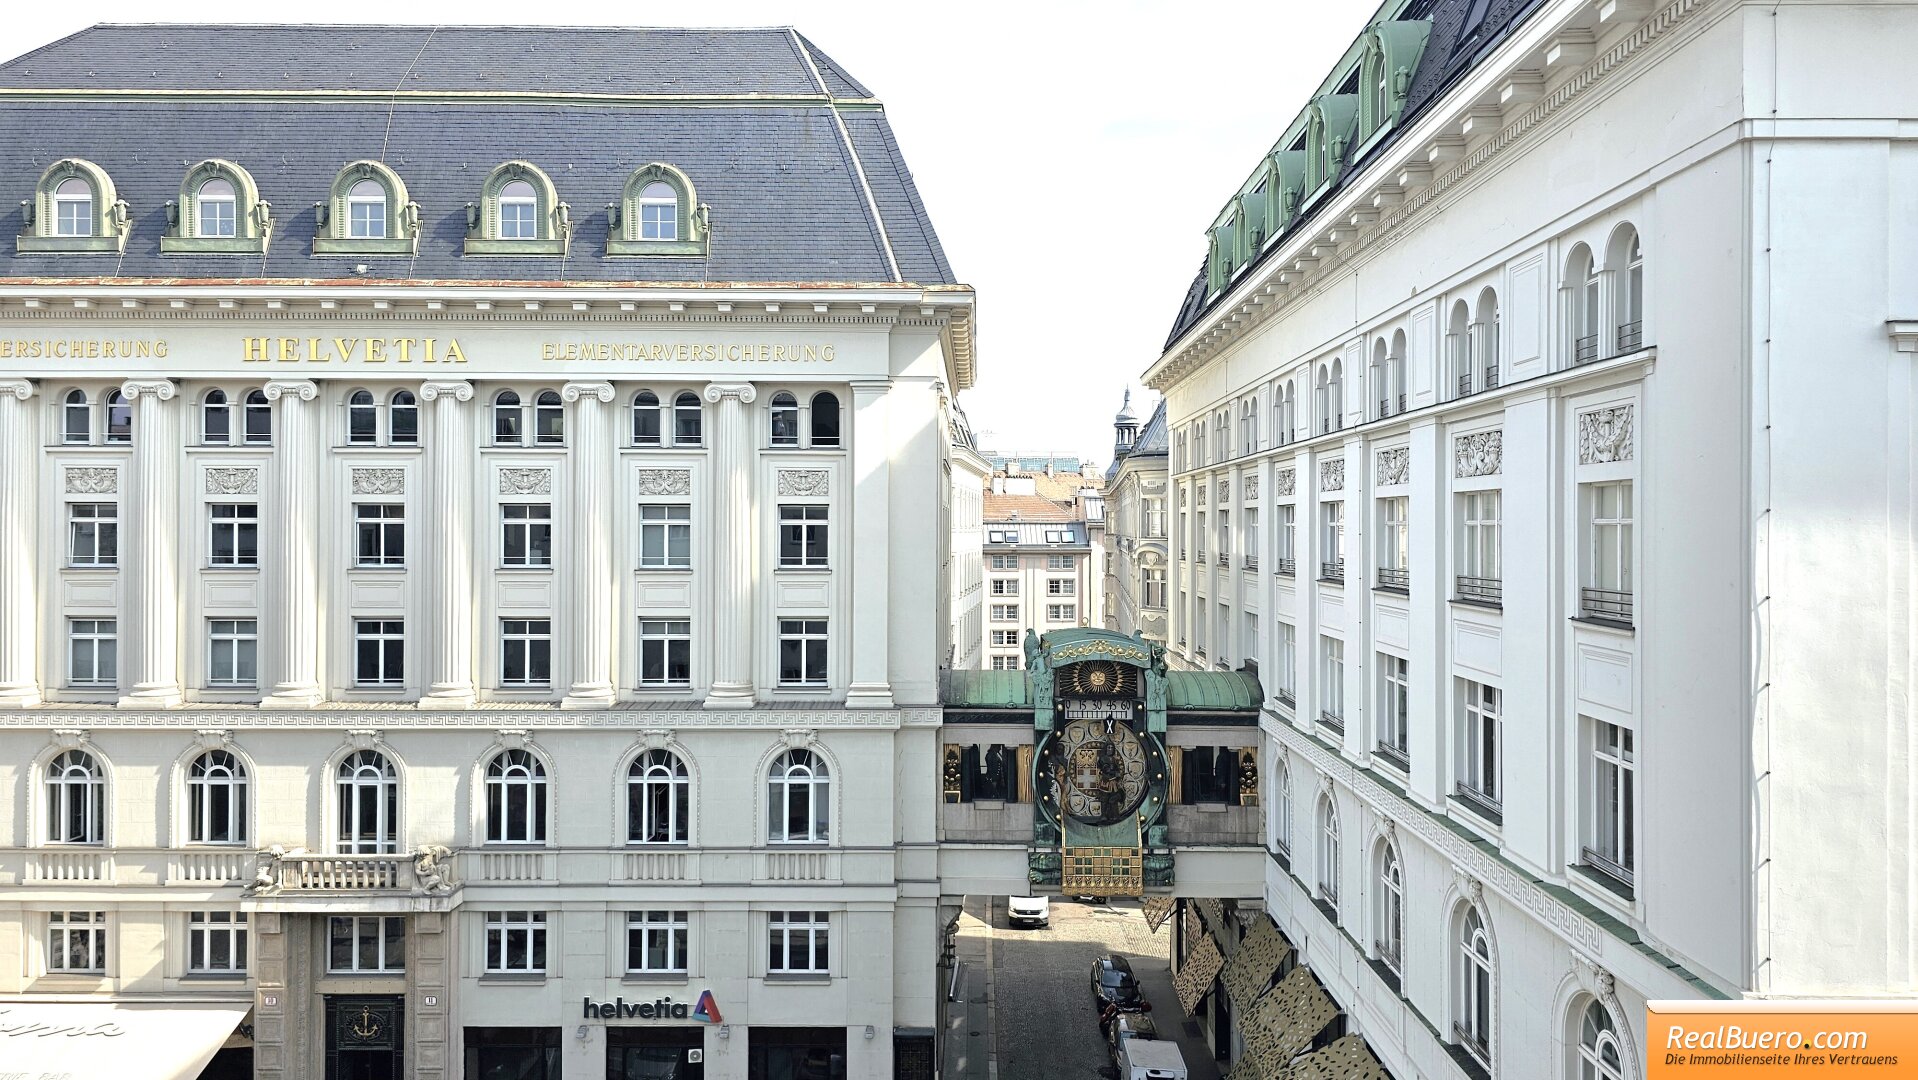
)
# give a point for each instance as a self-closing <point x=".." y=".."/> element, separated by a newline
<point x="1830" y="1038"/>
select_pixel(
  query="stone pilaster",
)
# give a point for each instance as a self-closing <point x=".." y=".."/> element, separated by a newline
<point x="871" y="686"/>
<point x="591" y="522"/>
<point x="450" y="448"/>
<point x="429" y="1011"/>
<point x="732" y="546"/>
<point x="153" y="579"/>
<point x="19" y="606"/>
<point x="295" y="571"/>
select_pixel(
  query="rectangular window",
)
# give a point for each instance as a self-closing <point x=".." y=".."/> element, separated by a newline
<point x="1288" y="663"/>
<point x="378" y="648"/>
<point x="1393" y="700"/>
<point x="1005" y="637"/>
<point x="1153" y="582"/>
<point x="1005" y="562"/>
<point x="665" y="536"/>
<point x="380" y="534"/>
<point x="526" y="652"/>
<point x="1062" y="612"/>
<point x="1607" y="590"/>
<point x="93" y="534"/>
<point x="1005" y="663"/>
<point x="798" y="942"/>
<point x="216" y="943"/>
<point x="77" y="942"/>
<point x="1287" y="563"/>
<point x="1062" y="587"/>
<point x="802" y="536"/>
<point x="233" y="534"/>
<point x="1332" y="683"/>
<point x="233" y="648"/>
<point x="1002" y="586"/>
<point x="665" y="652"/>
<point x="1059" y="562"/>
<point x="656" y="942"/>
<point x="802" y="652"/>
<point x="1251" y="539"/>
<point x="516" y="942"/>
<point x="1332" y="541"/>
<point x="1250" y="646"/>
<point x="92" y="652"/>
<point x="1005" y="613"/>
<point x="1394" y="544"/>
<point x="1209" y="774"/>
<point x="1478" y="573"/>
<point x="1155" y="518"/>
<point x="366" y="944"/>
<point x="526" y="534"/>
<point x="1480" y="746"/>
<point x="1200" y="534"/>
<point x="1609" y="844"/>
<point x="1225" y="538"/>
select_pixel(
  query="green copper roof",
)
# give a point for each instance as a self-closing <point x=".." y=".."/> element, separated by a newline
<point x="1211" y="690"/>
<point x="988" y="690"/>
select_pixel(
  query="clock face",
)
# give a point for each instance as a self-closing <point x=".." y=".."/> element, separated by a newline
<point x="1102" y="770"/>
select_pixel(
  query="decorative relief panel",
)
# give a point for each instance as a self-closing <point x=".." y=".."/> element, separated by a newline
<point x="1481" y="454"/>
<point x="664" y="481"/>
<point x="1202" y="494"/>
<point x="1332" y="474"/>
<point x="1395" y="466"/>
<point x="379" y="481"/>
<point x="1605" y="435"/>
<point x="1252" y="488"/>
<point x="526" y="481"/>
<point x="804" y="481"/>
<point x="1225" y="492"/>
<point x="92" y="480"/>
<point x="224" y="481"/>
<point x="1285" y="481"/>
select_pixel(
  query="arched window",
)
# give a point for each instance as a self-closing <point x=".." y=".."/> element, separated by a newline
<point x="1391" y="938"/>
<point x="646" y="419"/>
<point x="1382" y="377"/>
<point x="73" y="208"/>
<point x="1458" y="347"/>
<point x="1395" y="371"/>
<point x="798" y="799"/>
<point x="1328" y="851"/>
<point x="508" y="424"/>
<point x="658" y="799"/>
<point x="658" y="212"/>
<point x="515" y="799"/>
<point x="362" y="418"/>
<point x="369" y="793"/>
<point x="216" y="799"/>
<point x="403" y="418"/>
<point x="76" y="800"/>
<point x="1473" y="1025"/>
<point x="217" y="206"/>
<point x="518" y="211"/>
<point x="1485" y="339"/>
<point x="549" y="418"/>
<point x="1322" y="398"/>
<point x="1599" y="1054"/>
<point x="259" y="417"/>
<point x="1335" y="394"/>
<point x="1582" y="284"/>
<point x="686" y="419"/>
<point x="825" y="419"/>
<point x="366" y="211"/>
<point x="77" y="423"/>
<point x="1282" y="807"/>
<point x="1627" y="262"/>
<point x="785" y="413"/>
<point x="216" y="418"/>
<point x="119" y="418"/>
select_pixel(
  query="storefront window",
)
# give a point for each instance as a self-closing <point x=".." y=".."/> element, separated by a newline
<point x="655" y="1053"/>
<point x="512" y="1054"/>
<point x="797" y="1053"/>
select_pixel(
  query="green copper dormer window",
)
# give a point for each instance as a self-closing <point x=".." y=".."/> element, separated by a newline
<point x="219" y="212"/>
<point x="74" y="211"/>
<point x="366" y="213"/>
<point x="658" y="213"/>
<point x="1392" y="51"/>
<point x="519" y="214"/>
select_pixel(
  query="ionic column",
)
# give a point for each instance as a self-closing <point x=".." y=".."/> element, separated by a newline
<point x="153" y="587"/>
<point x="732" y="546"/>
<point x="449" y="479"/>
<point x="296" y="566"/>
<point x="19" y="607"/>
<point x="592" y="524"/>
<point x="871" y="686"/>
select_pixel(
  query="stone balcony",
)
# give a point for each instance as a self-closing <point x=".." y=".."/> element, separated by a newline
<point x="86" y="867"/>
<point x="674" y="865"/>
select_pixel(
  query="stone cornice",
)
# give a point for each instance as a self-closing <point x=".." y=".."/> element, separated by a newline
<point x="334" y="716"/>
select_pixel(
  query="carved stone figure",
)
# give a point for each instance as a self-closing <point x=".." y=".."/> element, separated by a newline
<point x="429" y="867"/>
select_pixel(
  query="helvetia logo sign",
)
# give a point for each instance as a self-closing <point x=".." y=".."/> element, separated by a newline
<point x="705" y="1010"/>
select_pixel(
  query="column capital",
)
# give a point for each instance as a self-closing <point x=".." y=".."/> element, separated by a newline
<point x="19" y="388"/>
<point x="574" y="391"/>
<point x="304" y="389"/>
<point x="163" y="389"/>
<point x="458" y="391"/>
<point x="744" y="392"/>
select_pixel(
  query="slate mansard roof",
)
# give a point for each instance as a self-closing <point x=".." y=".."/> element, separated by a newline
<point x="753" y="116"/>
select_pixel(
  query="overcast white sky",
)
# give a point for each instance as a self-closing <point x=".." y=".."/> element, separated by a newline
<point x="1071" y="154"/>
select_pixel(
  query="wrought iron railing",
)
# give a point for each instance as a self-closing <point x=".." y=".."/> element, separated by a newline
<point x="1224" y="559"/>
<point x="1585" y="349"/>
<point x="1464" y="386"/>
<point x="1606" y="605"/>
<point x="1606" y="866"/>
<point x="1394" y="578"/>
<point x="1287" y="566"/>
<point x="1480" y="590"/>
<point x="1333" y="571"/>
<point x="1395" y="754"/>
<point x="1477" y="799"/>
<point x="1385" y="407"/>
<point x="1473" y="1043"/>
<point x="1491" y="377"/>
<point x="1285" y="696"/>
<point x="1388" y="954"/>
<point x="1631" y="336"/>
<point x="1251" y="562"/>
<point x="1332" y="721"/>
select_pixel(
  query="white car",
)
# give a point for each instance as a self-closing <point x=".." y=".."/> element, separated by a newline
<point x="1029" y="910"/>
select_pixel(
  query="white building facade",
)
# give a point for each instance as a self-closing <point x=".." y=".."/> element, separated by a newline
<point x="1137" y="579"/>
<point x="1564" y="686"/>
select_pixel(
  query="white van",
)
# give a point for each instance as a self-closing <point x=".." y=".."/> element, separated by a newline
<point x="1029" y="910"/>
<point x="1150" y="1059"/>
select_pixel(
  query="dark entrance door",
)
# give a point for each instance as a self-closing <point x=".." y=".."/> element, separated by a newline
<point x="364" y="1038"/>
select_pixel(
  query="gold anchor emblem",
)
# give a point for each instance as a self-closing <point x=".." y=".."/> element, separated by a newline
<point x="365" y="1027"/>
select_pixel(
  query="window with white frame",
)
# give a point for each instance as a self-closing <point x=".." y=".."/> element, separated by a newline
<point x="1328" y="868"/>
<point x="526" y="652"/>
<point x="518" y="208"/>
<point x="648" y="419"/>
<point x="665" y="536"/>
<point x="1586" y="317"/>
<point x="656" y="942"/>
<point x="1201" y="624"/>
<point x="1059" y="562"/>
<point x="1478" y="572"/>
<point x="515" y="798"/>
<point x="92" y="652"/>
<point x="658" y="799"/>
<point x="1251" y="538"/>
<point x="1600" y="1056"/>
<point x="1062" y="587"/>
<point x="526" y="534"/>
<point x="93" y="534"/>
<point x="1332" y="683"/>
<point x="1062" y="612"/>
<point x="1607" y="591"/>
<point x="77" y="942"/>
<point x="1390" y="943"/>
<point x="1609" y="846"/>
<point x="785" y="419"/>
<point x="232" y="652"/>
<point x="799" y="799"/>
<point x="256" y="417"/>
<point x="362" y="418"/>
<point x="379" y="649"/>
<point x="1394" y="696"/>
<point x="1282" y="806"/>
<point x="686" y="419"/>
<point x="73" y="208"/>
<point x="76" y="799"/>
<point x="119" y="418"/>
<point x="1287" y="560"/>
<point x="1225" y="536"/>
<point x="1006" y="638"/>
<point x="658" y="212"/>
<point x="216" y="943"/>
<point x="76" y="419"/>
<point x="1630" y="286"/>
<point x="802" y="652"/>
<point x="368" y="792"/>
<point x="1005" y="613"/>
<point x="1152" y="586"/>
<point x="1058" y="536"/>
<point x="1154" y="518"/>
<point x="380" y="534"/>
<point x="1249" y="647"/>
<point x="403" y="418"/>
<point x="233" y="534"/>
<point x="823" y="429"/>
<point x="798" y="942"/>
<point x="1332" y="541"/>
<point x="216" y="418"/>
<point x="1201" y="533"/>
<point x="1481" y="749"/>
<point x="802" y="535"/>
<point x="1394" y="543"/>
<point x="1006" y="663"/>
<point x="366" y="211"/>
<point x="665" y="652"/>
<point x="516" y="942"/>
<point x="1472" y="1027"/>
<point x="1288" y="665"/>
<point x="1004" y="586"/>
<point x="216" y="203"/>
<point x="1005" y="562"/>
<point x="509" y="419"/>
<point x="366" y="944"/>
<point x="216" y="799"/>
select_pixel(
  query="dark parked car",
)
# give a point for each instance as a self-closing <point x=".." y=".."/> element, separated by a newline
<point x="1113" y="985"/>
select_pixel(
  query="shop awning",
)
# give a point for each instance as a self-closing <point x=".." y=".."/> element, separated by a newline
<point x="1194" y="979"/>
<point x="1346" y="1058"/>
<point x="114" y="1040"/>
<point x="1251" y="968"/>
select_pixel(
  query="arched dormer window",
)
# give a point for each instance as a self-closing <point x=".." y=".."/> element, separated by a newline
<point x="75" y="211"/>
<point x="1392" y="51"/>
<point x="658" y="799"/>
<point x="367" y="213"/>
<point x="785" y="419"/>
<point x="1289" y="168"/>
<point x="825" y="419"/>
<point x="519" y="214"/>
<point x="216" y="799"/>
<point x="647" y="425"/>
<point x="76" y="799"/>
<point x="658" y="214"/>
<point x="1334" y="123"/>
<point x="219" y="212"/>
<point x="515" y="798"/>
<point x="799" y="799"/>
